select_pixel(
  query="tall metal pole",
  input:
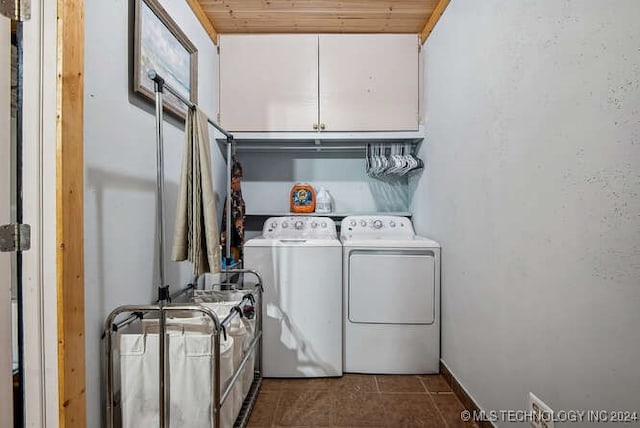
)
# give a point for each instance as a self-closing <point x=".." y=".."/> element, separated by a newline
<point x="159" y="87"/>
<point x="229" y="201"/>
<point x="110" y="393"/>
<point x="163" y="290"/>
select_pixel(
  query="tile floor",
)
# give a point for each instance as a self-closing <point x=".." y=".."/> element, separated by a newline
<point x="358" y="401"/>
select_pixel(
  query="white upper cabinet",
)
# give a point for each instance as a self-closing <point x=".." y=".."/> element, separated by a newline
<point x="272" y="83"/>
<point x="369" y="82"/>
<point x="268" y="82"/>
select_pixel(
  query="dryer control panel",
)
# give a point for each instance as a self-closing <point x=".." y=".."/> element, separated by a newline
<point x="376" y="227"/>
<point x="299" y="227"/>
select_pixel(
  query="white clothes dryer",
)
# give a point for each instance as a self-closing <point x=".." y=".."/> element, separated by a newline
<point x="300" y="260"/>
<point x="391" y="281"/>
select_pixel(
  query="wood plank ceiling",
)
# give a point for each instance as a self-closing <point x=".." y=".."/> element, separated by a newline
<point x="318" y="16"/>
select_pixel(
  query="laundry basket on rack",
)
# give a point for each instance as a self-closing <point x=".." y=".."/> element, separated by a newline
<point x="190" y="351"/>
<point x="241" y="329"/>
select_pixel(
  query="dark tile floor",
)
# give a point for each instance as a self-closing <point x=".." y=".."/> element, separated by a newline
<point x="358" y="401"/>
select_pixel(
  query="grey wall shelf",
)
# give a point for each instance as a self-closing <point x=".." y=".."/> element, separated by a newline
<point x="319" y="141"/>
<point x="337" y="214"/>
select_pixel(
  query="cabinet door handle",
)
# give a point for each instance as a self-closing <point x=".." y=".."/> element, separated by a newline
<point x="322" y="126"/>
<point x="315" y="126"/>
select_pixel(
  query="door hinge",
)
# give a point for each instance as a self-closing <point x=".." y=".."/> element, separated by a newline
<point x="15" y="237"/>
<point x="18" y="10"/>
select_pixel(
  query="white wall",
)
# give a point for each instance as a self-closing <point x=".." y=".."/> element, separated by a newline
<point x="533" y="188"/>
<point x="120" y="157"/>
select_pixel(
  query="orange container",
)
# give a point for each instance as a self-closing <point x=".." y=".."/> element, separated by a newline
<point x="302" y="198"/>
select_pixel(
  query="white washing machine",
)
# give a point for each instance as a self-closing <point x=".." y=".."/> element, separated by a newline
<point x="391" y="281"/>
<point x="300" y="259"/>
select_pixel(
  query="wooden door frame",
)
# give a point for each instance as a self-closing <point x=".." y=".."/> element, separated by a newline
<point x="53" y="168"/>
<point x="69" y="213"/>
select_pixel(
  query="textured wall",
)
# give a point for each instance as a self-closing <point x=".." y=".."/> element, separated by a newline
<point x="120" y="165"/>
<point x="532" y="187"/>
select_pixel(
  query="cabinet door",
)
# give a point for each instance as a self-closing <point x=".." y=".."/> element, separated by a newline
<point x="269" y="82"/>
<point x="369" y="82"/>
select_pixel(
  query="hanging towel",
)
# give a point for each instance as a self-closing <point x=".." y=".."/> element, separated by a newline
<point x="196" y="231"/>
<point x="237" y="212"/>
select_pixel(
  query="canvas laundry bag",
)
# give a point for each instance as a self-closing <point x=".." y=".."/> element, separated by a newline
<point x="190" y="377"/>
<point x="225" y="300"/>
<point x="238" y="332"/>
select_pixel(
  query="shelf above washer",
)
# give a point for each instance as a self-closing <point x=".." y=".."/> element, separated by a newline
<point x="337" y="214"/>
<point x="320" y="141"/>
<point x="255" y="221"/>
<point x="331" y="214"/>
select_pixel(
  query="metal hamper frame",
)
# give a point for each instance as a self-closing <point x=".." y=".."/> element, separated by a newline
<point x="123" y="316"/>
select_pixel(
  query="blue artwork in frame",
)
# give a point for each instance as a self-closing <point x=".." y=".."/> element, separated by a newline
<point x="162" y="46"/>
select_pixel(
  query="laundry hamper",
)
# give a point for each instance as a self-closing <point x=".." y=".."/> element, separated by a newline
<point x="181" y="380"/>
<point x="236" y="331"/>
<point x="242" y="330"/>
<point x="190" y="350"/>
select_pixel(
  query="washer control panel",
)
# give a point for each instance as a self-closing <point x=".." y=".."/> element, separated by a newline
<point x="299" y="227"/>
<point x="376" y="227"/>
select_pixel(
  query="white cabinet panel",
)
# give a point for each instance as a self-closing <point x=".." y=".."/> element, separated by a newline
<point x="369" y="82"/>
<point x="268" y="82"/>
<point x="348" y="82"/>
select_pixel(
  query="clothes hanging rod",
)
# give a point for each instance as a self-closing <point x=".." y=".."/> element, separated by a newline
<point x="319" y="148"/>
<point x="316" y="145"/>
<point x="153" y="75"/>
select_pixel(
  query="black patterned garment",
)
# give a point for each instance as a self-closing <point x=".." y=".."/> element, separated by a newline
<point x="237" y="214"/>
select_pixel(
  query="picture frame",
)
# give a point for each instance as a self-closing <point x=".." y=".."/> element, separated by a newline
<point x="161" y="45"/>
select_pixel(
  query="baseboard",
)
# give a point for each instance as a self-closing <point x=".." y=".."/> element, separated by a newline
<point x="463" y="395"/>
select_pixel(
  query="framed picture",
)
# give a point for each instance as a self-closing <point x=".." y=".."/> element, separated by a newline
<point x="160" y="45"/>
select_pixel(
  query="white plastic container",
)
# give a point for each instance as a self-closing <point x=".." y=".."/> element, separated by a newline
<point x="323" y="202"/>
